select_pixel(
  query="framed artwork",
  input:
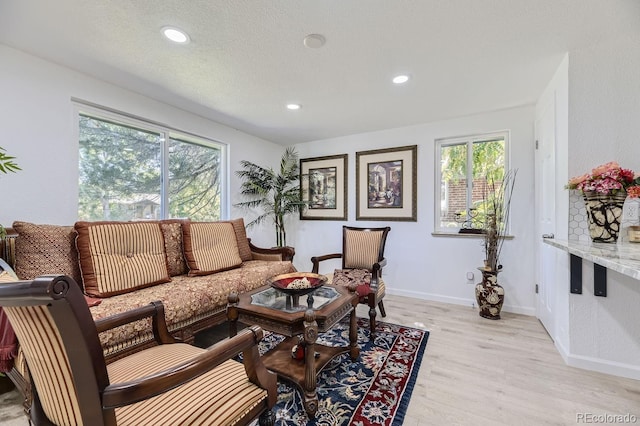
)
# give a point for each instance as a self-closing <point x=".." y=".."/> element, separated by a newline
<point x="386" y="184"/>
<point x="323" y="186"/>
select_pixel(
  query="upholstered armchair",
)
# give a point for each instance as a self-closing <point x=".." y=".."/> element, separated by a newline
<point x="362" y="262"/>
<point x="171" y="383"/>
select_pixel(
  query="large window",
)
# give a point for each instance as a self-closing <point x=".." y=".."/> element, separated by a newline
<point x="133" y="170"/>
<point x="468" y="170"/>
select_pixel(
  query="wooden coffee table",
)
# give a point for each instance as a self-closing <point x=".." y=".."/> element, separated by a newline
<point x="270" y="309"/>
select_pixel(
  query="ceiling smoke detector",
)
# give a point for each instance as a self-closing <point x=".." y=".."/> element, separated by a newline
<point x="314" y="41"/>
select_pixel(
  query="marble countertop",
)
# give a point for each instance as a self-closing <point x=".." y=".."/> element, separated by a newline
<point x="621" y="257"/>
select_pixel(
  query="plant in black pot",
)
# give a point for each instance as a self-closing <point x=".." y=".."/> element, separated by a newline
<point x="496" y="206"/>
<point x="277" y="193"/>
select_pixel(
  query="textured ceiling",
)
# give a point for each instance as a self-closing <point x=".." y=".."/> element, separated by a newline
<point x="246" y="58"/>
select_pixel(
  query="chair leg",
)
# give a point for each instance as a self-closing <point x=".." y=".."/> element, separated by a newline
<point x="372" y="315"/>
<point x="381" y="307"/>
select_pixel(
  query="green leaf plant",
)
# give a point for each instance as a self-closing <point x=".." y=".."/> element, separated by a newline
<point x="276" y="193"/>
<point x="7" y="165"/>
<point x="497" y="209"/>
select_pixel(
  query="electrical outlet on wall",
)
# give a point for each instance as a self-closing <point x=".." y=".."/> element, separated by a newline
<point x="631" y="212"/>
<point x="470" y="277"/>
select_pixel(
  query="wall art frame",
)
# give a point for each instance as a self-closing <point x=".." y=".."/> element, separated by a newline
<point x="386" y="184"/>
<point x="323" y="187"/>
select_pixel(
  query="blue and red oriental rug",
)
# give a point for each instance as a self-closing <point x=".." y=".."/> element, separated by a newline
<point x="374" y="390"/>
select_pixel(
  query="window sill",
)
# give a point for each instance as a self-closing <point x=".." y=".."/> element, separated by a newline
<point x="457" y="235"/>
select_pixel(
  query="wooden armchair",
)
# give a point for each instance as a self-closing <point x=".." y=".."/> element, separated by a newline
<point x="172" y="383"/>
<point x="362" y="262"/>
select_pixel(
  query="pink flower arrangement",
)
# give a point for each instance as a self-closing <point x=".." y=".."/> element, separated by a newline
<point x="634" y="191"/>
<point x="607" y="179"/>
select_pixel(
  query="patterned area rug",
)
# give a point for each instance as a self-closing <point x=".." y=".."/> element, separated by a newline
<point x="374" y="390"/>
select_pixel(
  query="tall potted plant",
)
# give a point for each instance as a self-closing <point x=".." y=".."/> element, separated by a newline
<point x="497" y="203"/>
<point x="7" y="165"/>
<point x="277" y="193"/>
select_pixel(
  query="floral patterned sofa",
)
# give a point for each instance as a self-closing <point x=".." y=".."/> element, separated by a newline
<point x="190" y="266"/>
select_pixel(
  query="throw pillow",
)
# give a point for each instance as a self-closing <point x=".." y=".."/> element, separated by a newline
<point x="45" y="249"/>
<point x="120" y="257"/>
<point x="241" y="238"/>
<point x="172" y="231"/>
<point x="210" y="247"/>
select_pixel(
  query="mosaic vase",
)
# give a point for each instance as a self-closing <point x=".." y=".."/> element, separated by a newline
<point x="604" y="213"/>
<point x="489" y="295"/>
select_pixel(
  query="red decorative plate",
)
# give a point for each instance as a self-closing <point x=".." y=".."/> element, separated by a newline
<point x="297" y="283"/>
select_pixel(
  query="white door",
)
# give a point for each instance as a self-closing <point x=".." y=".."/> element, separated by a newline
<point x="545" y="196"/>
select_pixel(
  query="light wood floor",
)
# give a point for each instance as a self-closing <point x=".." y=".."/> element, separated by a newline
<point x="481" y="372"/>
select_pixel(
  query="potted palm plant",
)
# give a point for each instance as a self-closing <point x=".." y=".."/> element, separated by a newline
<point x="277" y="193"/>
<point x="497" y="202"/>
<point x="7" y="165"/>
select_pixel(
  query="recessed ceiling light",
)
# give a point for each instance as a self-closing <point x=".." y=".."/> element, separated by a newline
<point x="175" y="35"/>
<point x="294" y="106"/>
<point x="399" y="79"/>
<point x="314" y="41"/>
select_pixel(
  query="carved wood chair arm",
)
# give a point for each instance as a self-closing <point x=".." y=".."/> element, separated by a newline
<point x="376" y="273"/>
<point x="285" y="253"/>
<point x="126" y="393"/>
<point x="317" y="259"/>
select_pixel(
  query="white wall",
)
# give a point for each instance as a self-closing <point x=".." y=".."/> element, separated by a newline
<point x="422" y="265"/>
<point x="37" y="125"/>
<point x="37" y="122"/>
<point x="604" y="105"/>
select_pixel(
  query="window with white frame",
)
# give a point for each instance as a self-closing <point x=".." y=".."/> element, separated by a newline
<point x="131" y="169"/>
<point x="467" y="169"/>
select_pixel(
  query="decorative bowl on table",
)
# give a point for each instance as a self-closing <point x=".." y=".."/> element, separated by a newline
<point x="297" y="283"/>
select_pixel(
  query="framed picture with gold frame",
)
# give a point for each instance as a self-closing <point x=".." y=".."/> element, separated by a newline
<point x="323" y="187"/>
<point x="386" y="184"/>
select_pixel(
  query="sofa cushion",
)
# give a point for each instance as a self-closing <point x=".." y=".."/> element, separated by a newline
<point x="45" y="249"/>
<point x="219" y="396"/>
<point x="241" y="237"/>
<point x="186" y="301"/>
<point x="210" y="247"/>
<point x="172" y="231"/>
<point x="119" y="257"/>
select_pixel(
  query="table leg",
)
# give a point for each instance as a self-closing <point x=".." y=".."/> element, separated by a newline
<point x="372" y="315"/>
<point x="354" y="350"/>
<point x="310" y="337"/>
<point x="232" y="314"/>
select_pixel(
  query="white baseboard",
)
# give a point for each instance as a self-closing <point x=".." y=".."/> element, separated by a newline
<point x="579" y="361"/>
<point x="458" y="301"/>
<point x="599" y="365"/>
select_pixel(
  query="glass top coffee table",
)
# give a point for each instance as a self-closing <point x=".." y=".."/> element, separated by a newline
<point x="306" y="317"/>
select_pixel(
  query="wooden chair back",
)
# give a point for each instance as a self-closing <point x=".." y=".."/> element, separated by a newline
<point x="60" y="341"/>
<point x="362" y="247"/>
